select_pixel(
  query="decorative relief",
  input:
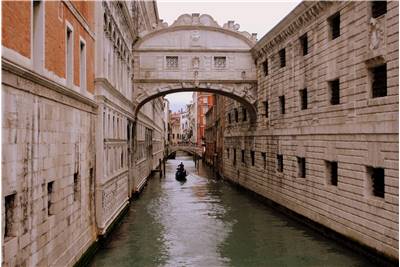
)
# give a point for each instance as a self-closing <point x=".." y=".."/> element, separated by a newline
<point x="375" y="34"/>
<point x="195" y="62"/>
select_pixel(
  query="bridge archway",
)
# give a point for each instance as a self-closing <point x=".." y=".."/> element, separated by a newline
<point x="196" y="54"/>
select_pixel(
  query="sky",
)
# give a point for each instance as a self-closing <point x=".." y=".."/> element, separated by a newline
<point x="254" y="16"/>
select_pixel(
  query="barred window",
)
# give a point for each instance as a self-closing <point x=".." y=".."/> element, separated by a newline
<point x="264" y="157"/>
<point x="265" y="67"/>
<point x="377" y="177"/>
<point x="10" y="218"/>
<point x="244" y="114"/>
<point x="332" y="172"/>
<point x="282" y="57"/>
<point x="279" y="159"/>
<point x="304" y="44"/>
<point x="234" y="156"/>
<point x="282" y="104"/>
<point x="220" y="62"/>
<point x="243" y="161"/>
<point x="379" y="8"/>
<point x="227" y="153"/>
<point x="334" y="92"/>
<point x="236" y="115"/>
<point x="229" y="117"/>
<point x="334" y="24"/>
<point x="301" y="162"/>
<point x="50" y="198"/>
<point x="379" y="81"/>
<point x="172" y="62"/>
<point x="303" y="99"/>
<point x="266" y="108"/>
<point x="252" y="155"/>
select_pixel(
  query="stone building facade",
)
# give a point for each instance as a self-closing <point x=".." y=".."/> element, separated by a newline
<point x="74" y="148"/>
<point x="48" y="132"/>
<point x="325" y="144"/>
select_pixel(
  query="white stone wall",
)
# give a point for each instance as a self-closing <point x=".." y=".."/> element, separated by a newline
<point x="46" y="138"/>
<point x="358" y="133"/>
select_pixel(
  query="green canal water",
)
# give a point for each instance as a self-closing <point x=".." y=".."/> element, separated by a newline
<point x="208" y="222"/>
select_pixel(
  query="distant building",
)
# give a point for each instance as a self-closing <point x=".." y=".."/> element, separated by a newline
<point x="203" y="102"/>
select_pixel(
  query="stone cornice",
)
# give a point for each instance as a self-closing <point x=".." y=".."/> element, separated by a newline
<point x="51" y="85"/>
<point x="113" y="91"/>
<point x="169" y="81"/>
<point x="190" y="50"/>
<point x="303" y="14"/>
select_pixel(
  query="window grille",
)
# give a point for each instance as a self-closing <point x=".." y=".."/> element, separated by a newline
<point x="220" y="62"/>
<point x="282" y="104"/>
<point x="280" y="163"/>
<point x="334" y="24"/>
<point x="304" y="44"/>
<point x="332" y="171"/>
<point x="303" y="98"/>
<point x="265" y="67"/>
<point x="172" y="62"/>
<point x="282" y="57"/>
<point x="377" y="176"/>
<point x="301" y="167"/>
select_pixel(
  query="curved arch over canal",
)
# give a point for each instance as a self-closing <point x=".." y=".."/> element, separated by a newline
<point x="196" y="54"/>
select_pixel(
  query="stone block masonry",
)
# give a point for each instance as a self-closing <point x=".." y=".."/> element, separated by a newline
<point x="333" y="158"/>
<point x="47" y="161"/>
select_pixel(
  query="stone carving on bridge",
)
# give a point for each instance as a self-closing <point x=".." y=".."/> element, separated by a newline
<point x="196" y="62"/>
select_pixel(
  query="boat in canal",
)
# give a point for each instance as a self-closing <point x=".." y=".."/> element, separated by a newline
<point x="181" y="173"/>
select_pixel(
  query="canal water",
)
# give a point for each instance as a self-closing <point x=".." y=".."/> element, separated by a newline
<point x="208" y="222"/>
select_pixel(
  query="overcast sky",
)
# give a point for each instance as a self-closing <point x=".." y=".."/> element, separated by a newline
<point x="253" y="16"/>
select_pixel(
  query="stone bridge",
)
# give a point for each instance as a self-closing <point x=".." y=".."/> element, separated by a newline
<point x="194" y="150"/>
<point x="196" y="54"/>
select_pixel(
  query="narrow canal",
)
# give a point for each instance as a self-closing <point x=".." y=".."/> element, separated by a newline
<point x="208" y="222"/>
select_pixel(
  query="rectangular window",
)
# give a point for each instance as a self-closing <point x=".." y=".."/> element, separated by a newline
<point x="379" y="8"/>
<point x="38" y="34"/>
<point x="301" y="167"/>
<point x="219" y="62"/>
<point x="282" y="57"/>
<point x="227" y="153"/>
<point x="244" y="114"/>
<point x="304" y="44"/>
<point x="264" y="157"/>
<point x="303" y="98"/>
<point x="82" y="65"/>
<point x="9" y="209"/>
<point x="332" y="172"/>
<point x="379" y="81"/>
<point x="70" y="56"/>
<point x="377" y="180"/>
<point x="172" y="62"/>
<point x="279" y="159"/>
<point x="229" y="118"/>
<point x="282" y="104"/>
<point x="243" y="161"/>
<point x="334" y="25"/>
<point x="252" y="155"/>
<point x="236" y="115"/>
<point x="50" y="198"/>
<point x="76" y="186"/>
<point x="266" y="108"/>
<point x="334" y="92"/>
<point x="234" y="156"/>
<point x="265" y="67"/>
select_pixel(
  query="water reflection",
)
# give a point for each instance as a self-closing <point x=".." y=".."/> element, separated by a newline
<point x="207" y="222"/>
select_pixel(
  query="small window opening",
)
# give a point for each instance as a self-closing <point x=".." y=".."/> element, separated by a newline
<point x="301" y="162"/>
<point x="334" y="24"/>
<point x="76" y="186"/>
<point x="252" y="155"/>
<point x="304" y="44"/>
<point x="332" y="172"/>
<point x="264" y="157"/>
<point x="377" y="176"/>
<point x="229" y="118"/>
<point x="379" y="81"/>
<point x="243" y="160"/>
<point x="236" y="115"/>
<point x="9" y="208"/>
<point x="379" y="8"/>
<point x="244" y="114"/>
<point x="334" y="92"/>
<point x="266" y="108"/>
<point x="234" y="156"/>
<point x="279" y="159"/>
<point x="265" y="67"/>
<point x="50" y="198"/>
<point x="303" y="98"/>
<point x="227" y="153"/>
<point x="282" y="57"/>
<point x="282" y="104"/>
